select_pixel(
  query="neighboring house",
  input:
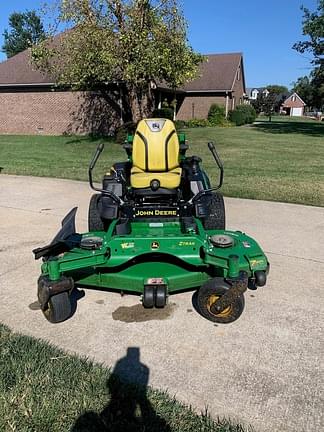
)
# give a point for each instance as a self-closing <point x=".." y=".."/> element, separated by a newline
<point x="255" y="93"/>
<point x="31" y="103"/>
<point x="294" y="106"/>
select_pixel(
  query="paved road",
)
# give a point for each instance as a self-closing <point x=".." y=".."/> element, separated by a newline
<point x="266" y="369"/>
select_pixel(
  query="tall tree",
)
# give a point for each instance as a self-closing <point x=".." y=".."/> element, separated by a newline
<point x="313" y="29"/>
<point x="136" y="43"/>
<point x="265" y="104"/>
<point x="278" y="94"/>
<point x="303" y="86"/>
<point x="317" y="80"/>
<point x="270" y="103"/>
<point x="25" y="30"/>
<point x="277" y="89"/>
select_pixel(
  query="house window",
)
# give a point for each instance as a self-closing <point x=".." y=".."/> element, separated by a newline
<point x="238" y="74"/>
<point x="293" y="98"/>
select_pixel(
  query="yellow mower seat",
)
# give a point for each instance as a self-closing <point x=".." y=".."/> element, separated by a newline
<point x="155" y="155"/>
<point x="169" y="180"/>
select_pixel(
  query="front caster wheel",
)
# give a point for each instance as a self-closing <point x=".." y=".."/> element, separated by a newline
<point x="58" y="308"/>
<point x="209" y="293"/>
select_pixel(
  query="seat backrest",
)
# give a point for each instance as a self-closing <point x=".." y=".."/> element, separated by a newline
<point x="156" y="146"/>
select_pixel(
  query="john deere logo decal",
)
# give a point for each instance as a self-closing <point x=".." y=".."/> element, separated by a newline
<point x="155" y="245"/>
<point x="156" y="212"/>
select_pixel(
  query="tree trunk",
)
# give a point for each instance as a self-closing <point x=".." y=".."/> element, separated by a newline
<point x="141" y="101"/>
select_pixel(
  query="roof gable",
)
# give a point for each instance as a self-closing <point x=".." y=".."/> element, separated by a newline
<point x="299" y="101"/>
<point x="217" y="73"/>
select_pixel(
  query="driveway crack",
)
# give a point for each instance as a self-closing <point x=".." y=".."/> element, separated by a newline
<point x="295" y="257"/>
<point x="41" y="211"/>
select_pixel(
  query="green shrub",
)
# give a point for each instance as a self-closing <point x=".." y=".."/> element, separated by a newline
<point x="227" y="123"/>
<point x="243" y="114"/>
<point x="216" y="115"/>
<point x="237" y="117"/>
<point x="163" y="113"/>
<point x="180" y="124"/>
<point x="123" y="131"/>
<point x="251" y="114"/>
<point x="195" y="123"/>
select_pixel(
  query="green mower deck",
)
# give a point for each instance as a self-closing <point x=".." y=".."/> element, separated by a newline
<point x="157" y="251"/>
<point x="157" y="259"/>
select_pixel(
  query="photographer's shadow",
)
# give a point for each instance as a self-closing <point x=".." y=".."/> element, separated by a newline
<point x="129" y="408"/>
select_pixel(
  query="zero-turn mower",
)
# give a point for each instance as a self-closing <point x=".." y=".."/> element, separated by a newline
<point x="156" y="227"/>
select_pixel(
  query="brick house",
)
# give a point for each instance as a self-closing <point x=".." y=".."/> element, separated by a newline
<point x="221" y="81"/>
<point x="293" y="106"/>
<point x="30" y="103"/>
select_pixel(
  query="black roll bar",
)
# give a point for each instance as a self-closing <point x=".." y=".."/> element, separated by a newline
<point x="219" y="163"/>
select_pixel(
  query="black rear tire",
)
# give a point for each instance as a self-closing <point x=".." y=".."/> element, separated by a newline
<point x="58" y="308"/>
<point x="95" y="223"/>
<point x="209" y="293"/>
<point x="216" y="209"/>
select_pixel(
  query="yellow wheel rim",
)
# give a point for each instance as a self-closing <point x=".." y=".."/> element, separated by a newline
<point x="212" y="300"/>
<point x="47" y="311"/>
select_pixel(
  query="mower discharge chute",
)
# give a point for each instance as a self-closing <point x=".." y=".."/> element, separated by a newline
<point x="156" y="227"/>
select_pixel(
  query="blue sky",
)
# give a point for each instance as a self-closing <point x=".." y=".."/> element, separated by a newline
<point x="263" y="30"/>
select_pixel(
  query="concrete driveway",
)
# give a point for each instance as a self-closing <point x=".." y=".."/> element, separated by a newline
<point x="266" y="369"/>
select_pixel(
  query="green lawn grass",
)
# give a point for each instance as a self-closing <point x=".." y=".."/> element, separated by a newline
<point x="43" y="389"/>
<point x="278" y="161"/>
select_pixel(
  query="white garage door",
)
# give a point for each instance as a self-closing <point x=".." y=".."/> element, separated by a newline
<point x="297" y="112"/>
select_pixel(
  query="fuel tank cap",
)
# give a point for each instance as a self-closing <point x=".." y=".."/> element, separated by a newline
<point x="221" y="240"/>
<point x="91" y="243"/>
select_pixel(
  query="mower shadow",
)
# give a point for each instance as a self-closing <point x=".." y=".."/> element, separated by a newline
<point x="314" y="128"/>
<point x="129" y="408"/>
<point x="76" y="295"/>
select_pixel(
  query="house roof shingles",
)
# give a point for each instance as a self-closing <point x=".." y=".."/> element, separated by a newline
<point x="17" y="70"/>
<point x="297" y="103"/>
<point x="216" y="74"/>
